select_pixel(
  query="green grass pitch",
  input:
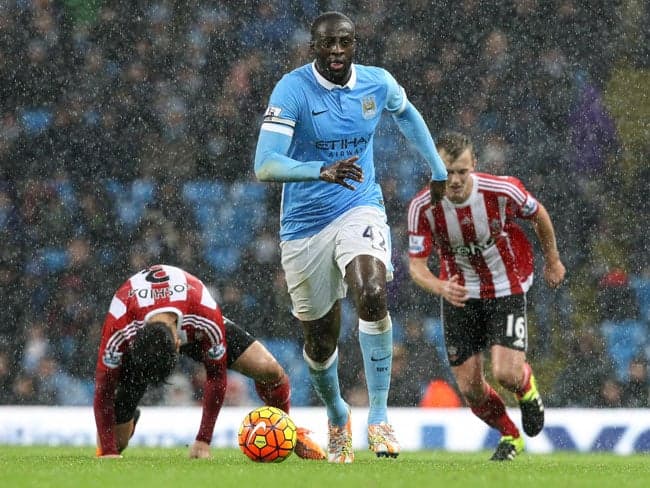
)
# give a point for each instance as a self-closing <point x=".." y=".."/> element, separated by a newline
<point x="46" y="467"/>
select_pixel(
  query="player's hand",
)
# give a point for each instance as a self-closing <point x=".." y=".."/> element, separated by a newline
<point x="437" y="190"/>
<point x="554" y="272"/>
<point x="110" y="456"/>
<point x="344" y="169"/>
<point x="200" y="450"/>
<point x="454" y="293"/>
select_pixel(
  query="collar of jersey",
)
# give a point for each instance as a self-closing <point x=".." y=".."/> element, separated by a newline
<point x="328" y="85"/>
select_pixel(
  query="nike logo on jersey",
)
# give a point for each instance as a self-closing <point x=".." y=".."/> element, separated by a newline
<point x="259" y="425"/>
<point x="314" y="112"/>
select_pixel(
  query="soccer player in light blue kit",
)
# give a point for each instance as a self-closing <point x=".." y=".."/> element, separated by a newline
<point x="317" y="138"/>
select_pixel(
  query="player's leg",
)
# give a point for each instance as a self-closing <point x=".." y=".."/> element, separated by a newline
<point x="366" y="278"/>
<point x="250" y="358"/>
<point x="315" y="285"/>
<point x="321" y="355"/>
<point x="465" y="339"/>
<point x="509" y="364"/>
<point x="363" y="254"/>
<point x="488" y="405"/>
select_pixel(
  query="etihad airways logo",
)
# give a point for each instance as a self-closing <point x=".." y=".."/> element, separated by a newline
<point x="345" y="147"/>
<point x="342" y="144"/>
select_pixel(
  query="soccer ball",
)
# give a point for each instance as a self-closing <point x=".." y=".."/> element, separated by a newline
<point x="267" y="435"/>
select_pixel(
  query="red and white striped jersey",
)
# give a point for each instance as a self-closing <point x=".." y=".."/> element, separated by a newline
<point x="162" y="288"/>
<point x="478" y="239"/>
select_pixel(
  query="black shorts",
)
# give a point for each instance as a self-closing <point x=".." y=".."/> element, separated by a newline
<point x="130" y="392"/>
<point x="483" y="323"/>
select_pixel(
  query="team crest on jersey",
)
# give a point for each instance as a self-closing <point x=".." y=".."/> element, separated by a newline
<point x="368" y="107"/>
<point x="112" y="359"/>
<point x="216" y="352"/>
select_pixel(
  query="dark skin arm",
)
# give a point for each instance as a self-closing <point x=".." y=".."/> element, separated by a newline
<point x="344" y="169"/>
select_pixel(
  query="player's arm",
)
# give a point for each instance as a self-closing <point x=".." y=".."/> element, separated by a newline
<point x="450" y="290"/>
<point x="553" y="268"/>
<point x="213" y="395"/>
<point x="104" y="410"/>
<point x="273" y="164"/>
<point x="412" y="125"/>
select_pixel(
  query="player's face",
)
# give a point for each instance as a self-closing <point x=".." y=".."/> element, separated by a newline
<point x="459" y="182"/>
<point x="333" y="47"/>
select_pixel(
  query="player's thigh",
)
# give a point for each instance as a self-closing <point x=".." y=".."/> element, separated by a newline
<point x="238" y="340"/>
<point x="258" y="363"/>
<point x="508" y="322"/>
<point x="314" y="281"/>
<point x="507" y="364"/>
<point x="464" y="330"/>
<point x="363" y="231"/>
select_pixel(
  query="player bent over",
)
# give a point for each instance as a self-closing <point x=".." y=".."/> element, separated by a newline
<point x="157" y="314"/>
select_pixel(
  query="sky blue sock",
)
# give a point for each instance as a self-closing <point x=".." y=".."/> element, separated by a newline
<point x="325" y="379"/>
<point x="377" y="351"/>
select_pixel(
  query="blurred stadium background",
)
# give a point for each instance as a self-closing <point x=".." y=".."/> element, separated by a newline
<point x="127" y="131"/>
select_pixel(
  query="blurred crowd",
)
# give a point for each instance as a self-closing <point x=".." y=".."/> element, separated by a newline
<point x="127" y="131"/>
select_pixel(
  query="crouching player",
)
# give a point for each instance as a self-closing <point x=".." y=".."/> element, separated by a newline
<point x="156" y="315"/>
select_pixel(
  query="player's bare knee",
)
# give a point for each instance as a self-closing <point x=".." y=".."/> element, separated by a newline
<point x="372" y="302"/>
<point x="269" y="371"/>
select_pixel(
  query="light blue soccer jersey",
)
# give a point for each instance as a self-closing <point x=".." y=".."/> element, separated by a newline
<point x="327" y="123"/>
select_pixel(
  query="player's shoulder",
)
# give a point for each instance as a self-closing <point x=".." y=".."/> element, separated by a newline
<point x="507" y="185"/>
<point x="375" y="74"/>
<point x="297" y="76"/>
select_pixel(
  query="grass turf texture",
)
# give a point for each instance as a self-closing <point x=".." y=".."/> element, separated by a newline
<point x="45" y="467"/>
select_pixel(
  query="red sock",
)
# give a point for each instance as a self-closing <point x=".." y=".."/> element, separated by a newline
<point x="493" y="412"/>
<point x="277" y="394"/>
<point x="525" y="381"/>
